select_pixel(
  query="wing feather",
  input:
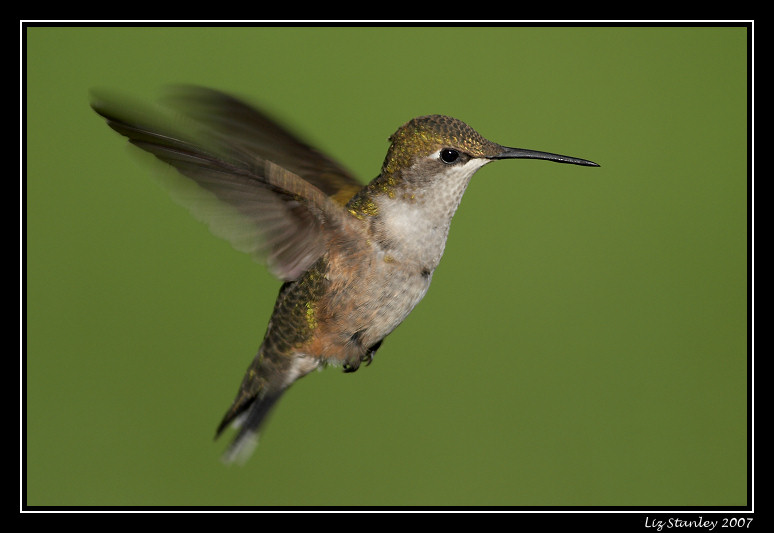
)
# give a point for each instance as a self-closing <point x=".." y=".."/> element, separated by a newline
<point x="253" y="183"/>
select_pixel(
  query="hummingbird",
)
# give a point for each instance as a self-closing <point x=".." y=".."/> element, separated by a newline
<point x="354" y="259"/>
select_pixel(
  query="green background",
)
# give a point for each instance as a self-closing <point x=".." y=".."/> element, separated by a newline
<point x="584" y="341"/>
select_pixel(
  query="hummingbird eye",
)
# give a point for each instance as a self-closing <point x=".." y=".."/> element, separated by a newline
<point x="449" y="155"/>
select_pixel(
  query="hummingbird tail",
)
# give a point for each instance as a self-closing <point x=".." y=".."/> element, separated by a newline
<point x="249" y="424"/>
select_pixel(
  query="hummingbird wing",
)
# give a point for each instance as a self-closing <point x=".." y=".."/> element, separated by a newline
<point x="250" y="131"/>
<point x="254" y="183"/>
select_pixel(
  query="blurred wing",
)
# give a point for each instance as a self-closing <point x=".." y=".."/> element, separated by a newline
<point x="249" y="133"/>
<point x="231" y="154"/>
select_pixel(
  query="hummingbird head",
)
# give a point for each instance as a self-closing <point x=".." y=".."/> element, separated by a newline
<point x="433" y="146"/>
<point x="447" y="139"/>
<point x="431" y="160"/>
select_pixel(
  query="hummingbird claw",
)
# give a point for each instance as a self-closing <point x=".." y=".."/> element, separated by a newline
<point x="368" y="357"/>
<point x="351" y="367"/>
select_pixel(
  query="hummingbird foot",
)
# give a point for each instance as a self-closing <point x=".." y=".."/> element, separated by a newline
<point x="366" y="358"/>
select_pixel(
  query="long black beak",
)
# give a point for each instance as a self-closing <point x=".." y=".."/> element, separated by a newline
<point x="520" y="153"/>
